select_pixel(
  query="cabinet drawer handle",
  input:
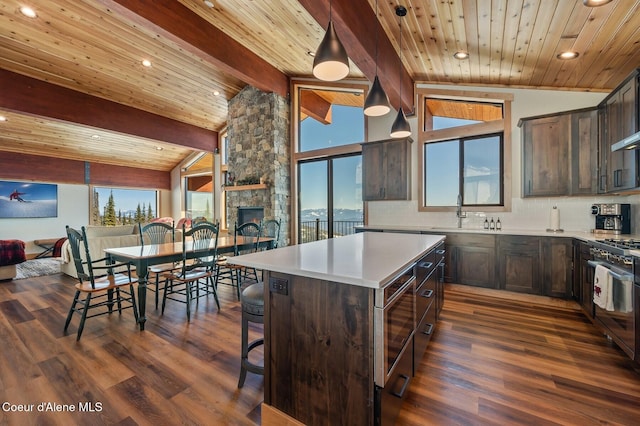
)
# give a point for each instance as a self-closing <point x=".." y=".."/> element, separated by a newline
<point x="426" y="265"/>
<point x="405" y="385"/>
<point x="440" y="251"/>
<point x="426" y="293"/>
<point x="428" y="332"/>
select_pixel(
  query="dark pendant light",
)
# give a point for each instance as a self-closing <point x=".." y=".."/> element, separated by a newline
<point x="401" y="127"/>
<point x="377" y="102"/>
<point x="331" y="62"/>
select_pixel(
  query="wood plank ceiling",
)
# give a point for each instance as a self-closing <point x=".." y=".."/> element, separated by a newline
<point x="95" y="47"/>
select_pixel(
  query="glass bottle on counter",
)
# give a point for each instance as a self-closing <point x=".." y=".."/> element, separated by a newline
<point x="486" y="223"/>
<point x="492" y="224"/>
<point x="498" y="225"/>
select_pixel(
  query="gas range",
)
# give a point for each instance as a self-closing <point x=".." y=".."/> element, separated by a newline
<point x="613" y="251"/>
<point x="617" y="246"/>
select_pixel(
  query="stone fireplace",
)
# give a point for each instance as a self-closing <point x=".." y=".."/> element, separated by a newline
<point x="259" y="148"/>
<point x="250" y="214"/>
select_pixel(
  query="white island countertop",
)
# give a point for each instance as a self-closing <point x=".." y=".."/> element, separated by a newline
<point x="368" y="259"/>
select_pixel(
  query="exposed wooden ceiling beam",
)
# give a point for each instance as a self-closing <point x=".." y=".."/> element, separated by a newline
<point x="315" y="106"/>
<point x="28" y="95"/>
<point x="196" y="35"/>
<point x="356" y="23"/>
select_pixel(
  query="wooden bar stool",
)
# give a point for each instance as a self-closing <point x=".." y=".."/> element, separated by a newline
<point x="252" y="302"/>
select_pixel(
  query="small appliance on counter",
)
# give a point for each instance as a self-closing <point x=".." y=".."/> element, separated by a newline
<point x="612" y="218"/>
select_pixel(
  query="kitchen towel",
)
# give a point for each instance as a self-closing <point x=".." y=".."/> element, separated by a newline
<point x="602" y="288"/>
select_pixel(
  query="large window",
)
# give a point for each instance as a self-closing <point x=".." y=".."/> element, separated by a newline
<point x="329" y="118"/>
<point x="198" y="187"/>
<point x="330" y="197"/>
<point x="471" y="167"/>
<point x="329" y="125"/>
<point x="465" y="138"/>
<point x="119" y="206"/>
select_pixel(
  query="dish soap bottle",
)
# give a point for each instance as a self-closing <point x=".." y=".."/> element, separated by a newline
<point x="498" y="225"/>
<point x="486" y="223"/>
<point x="492" y="224"/>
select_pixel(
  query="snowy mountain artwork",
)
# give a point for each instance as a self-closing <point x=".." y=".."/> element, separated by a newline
<point x="28" y="199"/>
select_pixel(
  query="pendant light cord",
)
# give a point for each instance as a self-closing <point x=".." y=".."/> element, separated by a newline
<point x="400" y="63"/>
<point x="376" y="37"/>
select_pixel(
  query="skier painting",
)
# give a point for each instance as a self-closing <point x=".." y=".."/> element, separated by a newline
<point x="15" y="195"/>
<point x="28" y="199"/>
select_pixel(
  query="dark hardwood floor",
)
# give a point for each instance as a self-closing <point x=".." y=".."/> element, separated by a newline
<point x="492" y="361"/>
<point x="526" y="360"/>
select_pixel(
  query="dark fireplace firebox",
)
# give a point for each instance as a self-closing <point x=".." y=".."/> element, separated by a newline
<point x="250" y="214"/>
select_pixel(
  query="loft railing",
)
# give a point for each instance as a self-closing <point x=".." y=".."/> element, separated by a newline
<point x="315" y="230"/>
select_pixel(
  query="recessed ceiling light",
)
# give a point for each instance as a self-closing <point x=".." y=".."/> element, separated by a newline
<point x="461" y="54"/>
<point x="310" y="53"/>
<point x="27" y="11"/>
<point x="146" y="62"/>
<point x="568" y="55"/>
<point x="95" y="136"/>
<point x="595" y="3"/>
<point x="159" y="148"/>
<point x="3" y="118"/>
<point x="208" y="3"/>
<point x="216" y="93"/>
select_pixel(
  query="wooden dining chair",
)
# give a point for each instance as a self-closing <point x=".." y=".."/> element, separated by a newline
<point x="236" y="275"/>
<point x="194" y="279"/>
<point x="96" y="292"/>
<point x="271" y="229"/>
<point x="157" y="233"/>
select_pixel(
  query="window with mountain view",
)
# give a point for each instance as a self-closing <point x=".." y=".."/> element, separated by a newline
<point x="329" y="162"/>
<point x="120" y="206"/>
<point x="463" y="145"/>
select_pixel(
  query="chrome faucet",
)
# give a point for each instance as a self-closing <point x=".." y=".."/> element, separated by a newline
<point x="459" y="213"/>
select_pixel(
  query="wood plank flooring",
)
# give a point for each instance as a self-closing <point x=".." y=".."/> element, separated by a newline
<point x="527" y="360"/>
<point x="492" y="361"/>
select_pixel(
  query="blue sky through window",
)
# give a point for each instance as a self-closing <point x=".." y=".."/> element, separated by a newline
<point x="347" y="127"/>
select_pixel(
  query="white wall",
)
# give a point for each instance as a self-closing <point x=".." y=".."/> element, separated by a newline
<point x="529" y="213"/>
<point x="73" y="210"/>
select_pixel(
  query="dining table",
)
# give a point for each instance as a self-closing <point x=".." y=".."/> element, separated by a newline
<point x="143" y="256"/>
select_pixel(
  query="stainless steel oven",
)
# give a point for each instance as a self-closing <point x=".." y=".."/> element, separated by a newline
<point x="618" y="318"/>
<point x="394" y="323"/>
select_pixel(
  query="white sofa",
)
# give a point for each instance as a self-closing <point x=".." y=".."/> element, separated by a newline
<point x="103" y="237"/>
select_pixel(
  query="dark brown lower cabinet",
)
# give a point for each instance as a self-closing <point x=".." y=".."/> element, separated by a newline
<point x="518" y="264"/>
<point x="390" y="398"/>
<point x="471" y="259"/>
<point x="557" y="266"/>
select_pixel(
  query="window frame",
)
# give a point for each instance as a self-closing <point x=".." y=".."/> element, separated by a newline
<point x="297" y="156"/>
<point x="461" y="157"/>
<point x="480" y="129"/>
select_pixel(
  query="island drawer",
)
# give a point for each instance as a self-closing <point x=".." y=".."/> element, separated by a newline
<point x="425" y="266"/>
<point x="439" y="253"/>
<point x="425" y="295"/>
<point x="422" y="336"/>
<point x="389" y="399"/>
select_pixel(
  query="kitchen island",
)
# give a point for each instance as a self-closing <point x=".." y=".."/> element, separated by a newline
<point x="320" y="336"/>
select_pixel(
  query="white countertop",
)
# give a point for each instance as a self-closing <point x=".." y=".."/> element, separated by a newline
<point x="581" y="235"/>
<point x="367" y="259"/>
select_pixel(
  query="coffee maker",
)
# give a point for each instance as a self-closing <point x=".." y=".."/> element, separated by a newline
<point x="613" y="218"/>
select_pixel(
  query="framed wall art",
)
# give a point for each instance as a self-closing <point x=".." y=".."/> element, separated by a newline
<point x="28" y="199"/>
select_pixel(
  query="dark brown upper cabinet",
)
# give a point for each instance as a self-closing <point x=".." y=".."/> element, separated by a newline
<point x="386" y="170"/>
<point x="559" y="155"/>
<point x="619" y="116"/>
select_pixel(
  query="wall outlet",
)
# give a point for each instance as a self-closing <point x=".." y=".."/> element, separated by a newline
<point x="279" y="285"/>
